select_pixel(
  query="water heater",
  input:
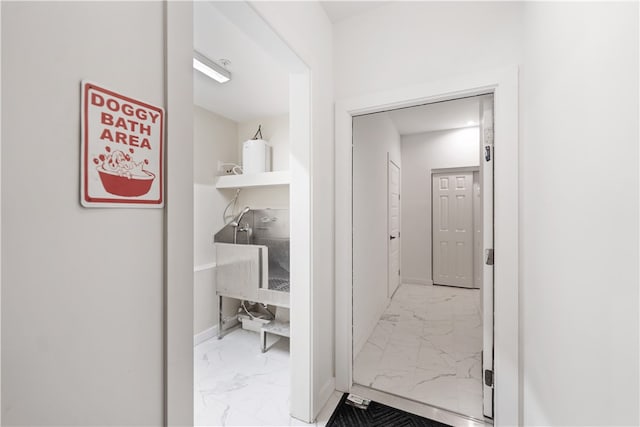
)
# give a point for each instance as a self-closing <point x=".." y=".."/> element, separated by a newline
<point x="256" y="156"/>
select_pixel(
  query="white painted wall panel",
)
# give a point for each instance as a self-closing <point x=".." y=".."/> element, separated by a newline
<point x="579" y="280"/>
<point x="214" y="138"/>
<point x="407" y="43"/>
<point x="82" y="289"/>
<point x="374" y="136"/>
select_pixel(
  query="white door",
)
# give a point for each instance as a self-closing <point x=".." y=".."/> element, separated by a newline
<point x="486" y="185"/>
<point x="393" y="221"/>
<point x="452" y="229"/>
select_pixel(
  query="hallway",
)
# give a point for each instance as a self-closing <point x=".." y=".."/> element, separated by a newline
<point x="427" y="346"/>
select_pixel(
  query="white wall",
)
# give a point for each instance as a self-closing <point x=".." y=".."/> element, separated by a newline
<point x="420" y="154"/>
<point x="579" y="123"/>
<point x="82" y="289"/>
<point x="375" y="139"/>
<point x="214" y="138"/>
<point x="579" y="223"/>
<point x="306" y="29"/>
<point x="407" y="43"/>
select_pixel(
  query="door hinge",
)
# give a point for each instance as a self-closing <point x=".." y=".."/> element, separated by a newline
<point x="487" y="153"/>
<point x="488" y="378"/>
<point x="398" y="272"/>
<point x="488" y="256"/>
<point x="488" y="136"/>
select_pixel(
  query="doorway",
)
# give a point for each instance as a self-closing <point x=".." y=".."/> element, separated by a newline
<point x="244" y="377"/>
<point x="503" y="86"/>
<point x="424" y="341"/>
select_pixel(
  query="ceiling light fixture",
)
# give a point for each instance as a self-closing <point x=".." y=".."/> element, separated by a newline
<point x="210" y="68"/>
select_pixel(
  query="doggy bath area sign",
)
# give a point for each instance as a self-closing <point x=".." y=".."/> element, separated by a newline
<point x="122" y="147"/>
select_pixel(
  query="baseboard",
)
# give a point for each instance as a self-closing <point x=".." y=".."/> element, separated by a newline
<point x="324" y="395"/>
<point x="205" y="335"/>
<point x="416" y="281"/>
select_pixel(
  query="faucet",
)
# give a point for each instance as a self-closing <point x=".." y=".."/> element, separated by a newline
<point x="238" y="218"/>
<point x="237" y="226"/>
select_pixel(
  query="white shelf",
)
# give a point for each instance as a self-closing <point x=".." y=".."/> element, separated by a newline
<point x="263" y="179"/>
<point x="203" y="267"/>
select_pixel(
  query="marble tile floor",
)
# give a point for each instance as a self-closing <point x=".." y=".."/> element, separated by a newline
<point x="427" y="346"/>
<point x="237" y="385"/>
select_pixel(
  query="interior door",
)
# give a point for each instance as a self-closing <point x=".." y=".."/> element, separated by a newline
<point x="452" y="229"/>
<point x="393" y="215"/>
<point x="486" y="185"/>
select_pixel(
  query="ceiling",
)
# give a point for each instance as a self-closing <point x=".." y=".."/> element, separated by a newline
<point x="340" y="10"/>
<point x="455" y="114"/>
<point x="259" y="85"/>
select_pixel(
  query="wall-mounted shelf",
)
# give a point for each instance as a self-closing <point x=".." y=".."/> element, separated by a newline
<point x="264" y="179"/>
<point x="203" y="267"/>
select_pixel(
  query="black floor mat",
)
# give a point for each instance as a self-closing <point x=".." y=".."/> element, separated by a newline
<point x="376" y="415"/>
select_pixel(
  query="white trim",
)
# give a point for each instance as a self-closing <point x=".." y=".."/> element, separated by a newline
<point x="208" y="333"/>
<point x="399" y="279"/>
<point x="417" y="281"/>
<point x="178" y="216"/>
<point x="456" y="170"/>
<point x="0" y="216"/>
<point x="263" y="179"/>
<point x="504" y="85"/>
<point x="300" y="190"/>
<point x="326" y="391"/>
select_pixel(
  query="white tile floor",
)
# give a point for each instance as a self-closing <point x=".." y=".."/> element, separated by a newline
<point x="427" y="347"/>
<point x="237" y="385"/>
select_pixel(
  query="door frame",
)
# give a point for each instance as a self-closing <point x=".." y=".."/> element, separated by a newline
<point x="503" y="83"/>
<point x="389" y="163"/>
<point x="178" y="252"/>
<point x="462" y="169"/>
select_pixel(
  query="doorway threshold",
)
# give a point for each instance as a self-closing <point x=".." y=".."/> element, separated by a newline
<point x="418" y="408"/>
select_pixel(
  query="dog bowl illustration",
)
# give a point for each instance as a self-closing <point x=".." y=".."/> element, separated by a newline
<point x="127" y="185"/>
